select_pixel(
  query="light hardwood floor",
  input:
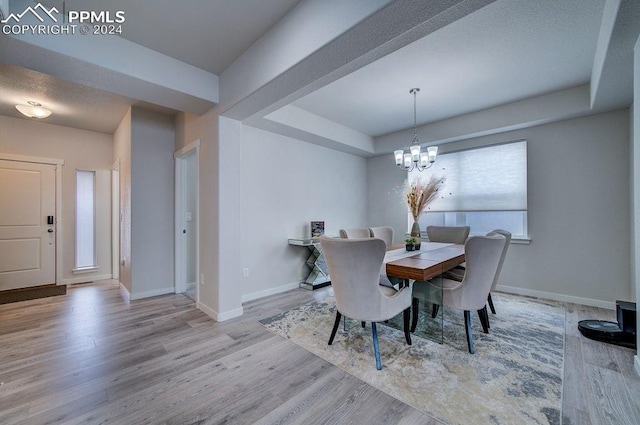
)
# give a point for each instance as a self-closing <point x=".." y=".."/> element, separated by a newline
<point x="92" y="357"/>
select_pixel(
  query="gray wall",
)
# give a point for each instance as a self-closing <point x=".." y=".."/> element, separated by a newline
<point x="578" y="197"/>
<point x="285" y="185"/>
<point x="152" y="203"/>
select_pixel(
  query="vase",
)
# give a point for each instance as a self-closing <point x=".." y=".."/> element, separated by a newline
<point x="415" y="230"/>
<point x="415" y="233"/>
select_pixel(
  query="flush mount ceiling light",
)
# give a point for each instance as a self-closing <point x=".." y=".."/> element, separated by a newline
<point x="33" y="110"/>
<point x="415" y="159"/>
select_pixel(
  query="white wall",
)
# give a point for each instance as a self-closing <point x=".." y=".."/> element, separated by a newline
<point x="80" y="149"/>
<point x="386" y="204"/>
<point x="285" y="185"/>
<point x="578" y="197"/>
<point x="152" y="203"/>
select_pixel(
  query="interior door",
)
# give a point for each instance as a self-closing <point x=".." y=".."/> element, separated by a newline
<point x="27" y="224"/>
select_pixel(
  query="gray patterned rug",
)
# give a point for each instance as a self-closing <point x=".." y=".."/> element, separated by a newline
<point x="515" y="377"/>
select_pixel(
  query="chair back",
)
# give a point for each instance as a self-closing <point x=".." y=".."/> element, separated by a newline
<point x="356" y="233"/>
<point x="449" y="234"/>
<point x="354" y="266"/>
<point x="383" y="232"/>
<point x="482" y="257"/>
<point x="507" y="236"/>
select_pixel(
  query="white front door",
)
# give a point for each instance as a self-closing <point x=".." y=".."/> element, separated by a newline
<point x="27" y="224"/>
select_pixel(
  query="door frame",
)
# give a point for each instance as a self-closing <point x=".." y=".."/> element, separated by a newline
<point x="58" y="163"/>
<point x="180" y="257"/>
<point x="115" y="220"/>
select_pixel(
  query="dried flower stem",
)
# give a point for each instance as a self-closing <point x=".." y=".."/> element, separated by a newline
<point x="419" y="195"/>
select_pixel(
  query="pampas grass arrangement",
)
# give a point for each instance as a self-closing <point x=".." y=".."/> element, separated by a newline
<point x="419" y="194"/>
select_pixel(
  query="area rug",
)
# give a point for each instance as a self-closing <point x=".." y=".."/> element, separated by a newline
<point x="515" y="377"/>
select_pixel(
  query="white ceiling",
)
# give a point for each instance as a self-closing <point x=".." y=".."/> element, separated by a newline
<point x="504" y="52"/>
<point x="507" y="51"/>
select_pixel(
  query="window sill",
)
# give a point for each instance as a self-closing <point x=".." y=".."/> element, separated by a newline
<point x="83" y="270"/>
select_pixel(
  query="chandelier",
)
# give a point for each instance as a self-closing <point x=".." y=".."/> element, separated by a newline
<point x="415" y="159"/>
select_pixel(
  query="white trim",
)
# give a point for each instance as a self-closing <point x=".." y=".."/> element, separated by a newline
<point x="83" y="270"/>
<point x="180" y="260"/>
<point x="271" y="291"/>
<point x="35" y="159"/>
<point x="153" y="293"/>
<point x="187" y="149"/>
<point x="59" y="224"/>
<point x="124" y="291"/>
<point x="115" y="220"/>
<point x="219" y="317"/>
<point x="206" y="310"/>
<point x="557" y="297"/>
<point x="85" y="279"/>
<point x="636" y="364"/>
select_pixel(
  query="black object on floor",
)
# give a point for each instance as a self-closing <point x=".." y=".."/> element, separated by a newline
<point x="622" y="333"/>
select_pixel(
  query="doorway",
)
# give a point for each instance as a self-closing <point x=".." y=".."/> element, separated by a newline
<point x="187" y="221"/>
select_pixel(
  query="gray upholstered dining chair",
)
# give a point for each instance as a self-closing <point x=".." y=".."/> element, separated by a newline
<point x="458" y="274"/>
<point x="448" y="234"/>
<point x="482" y="255"/>
<point x="507" y="236"/>
<point x="358" y="232"/>
<point x="354" y="266"/>
<point x="361" y="232"/>
<point x="444" y="234"/>
<point x="383" y="232"/>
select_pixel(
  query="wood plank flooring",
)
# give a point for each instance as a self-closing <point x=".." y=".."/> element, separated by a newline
<point x="90" y="357"/>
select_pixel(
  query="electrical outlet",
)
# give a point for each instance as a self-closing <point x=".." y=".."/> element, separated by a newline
<point x="245" y="272"/>
<point x="201" y="279"/>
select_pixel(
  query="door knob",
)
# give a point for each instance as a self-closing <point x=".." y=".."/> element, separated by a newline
<point x="50" y="230"/>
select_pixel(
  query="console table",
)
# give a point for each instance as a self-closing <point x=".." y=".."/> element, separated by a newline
<point x="319" y="275"/>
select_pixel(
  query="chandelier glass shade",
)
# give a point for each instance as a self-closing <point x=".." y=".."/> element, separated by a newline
<point x="415" y="158"/>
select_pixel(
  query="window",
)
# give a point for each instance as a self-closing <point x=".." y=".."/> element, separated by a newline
<point x="484" y="188"/>
<point x="85" y="221"/>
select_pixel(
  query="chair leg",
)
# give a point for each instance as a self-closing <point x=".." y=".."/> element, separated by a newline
<point x="406" y="315"/>
<point x="467" y="328"/>
<point x="335" y="327"/>
<point x="484" y="319"/>
<point x="363" y="324"/>
<point x="434" y="310"/>
<point x="493" y="309"/>
<point x="415" y="307"/>
<point x="376" y="350"/>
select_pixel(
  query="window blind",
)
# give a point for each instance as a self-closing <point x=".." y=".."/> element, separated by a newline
<point x="492" y="178"/>
<point x="85" y="218"/>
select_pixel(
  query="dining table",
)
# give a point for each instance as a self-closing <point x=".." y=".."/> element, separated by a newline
<point x="423" y="267"/>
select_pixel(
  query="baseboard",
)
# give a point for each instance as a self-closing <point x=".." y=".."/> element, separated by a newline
<point x="270" y="291"/>
<point x="124" y="291"/>
<point x="636" y="364"/>
<point x="153" y="293"/>
<point x="219" y="317"/>
<point x="85" y="279"/>
<point x="609" y="305"/>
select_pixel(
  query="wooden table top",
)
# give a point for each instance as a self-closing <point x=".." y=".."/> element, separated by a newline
<point x="427" y="265"/>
